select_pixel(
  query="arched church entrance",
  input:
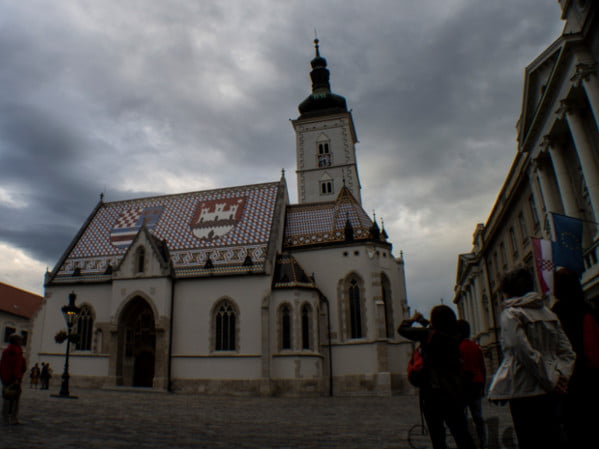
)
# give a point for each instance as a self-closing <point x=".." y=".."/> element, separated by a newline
<point x="137" y="344"/>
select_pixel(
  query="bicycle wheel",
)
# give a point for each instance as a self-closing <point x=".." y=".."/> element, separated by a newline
<point x="418" y="437"/>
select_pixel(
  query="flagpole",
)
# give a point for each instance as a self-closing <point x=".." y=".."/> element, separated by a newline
<point x="584" y="220"/>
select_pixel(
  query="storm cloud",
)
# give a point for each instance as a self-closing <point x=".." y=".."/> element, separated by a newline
<point x="135" y="98"/>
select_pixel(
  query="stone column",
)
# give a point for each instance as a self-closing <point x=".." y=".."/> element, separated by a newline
<point x="588" y="161"/>
<point x="470" y="305"/>
<point x="586" y="76"/>
<point x="541" y="169"/>
<point x="556" y="150"/>
<point x="539" y="206"/>
<point x="480" y="319"/>
<point x="267" y="321"/>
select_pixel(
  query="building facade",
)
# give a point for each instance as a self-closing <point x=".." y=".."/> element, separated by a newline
<point x="555" y="170"/>
<point x="235" y="290"/>
<point x="17" y="308"/>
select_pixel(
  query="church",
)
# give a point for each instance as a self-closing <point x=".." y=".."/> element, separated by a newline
<point x="236" y="290"/>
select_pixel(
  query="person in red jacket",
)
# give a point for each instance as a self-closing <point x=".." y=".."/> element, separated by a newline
<point x="475" y="373"/>
<point x="12" y="368"/>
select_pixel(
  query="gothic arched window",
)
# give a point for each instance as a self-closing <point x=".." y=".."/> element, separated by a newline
<point x="355" y="309"/>
<point x="225" y="327"/>
<point x="140" y="259"/>
<point x="285" y="317"/>
<point x="326" y="187"/>
<point x="85" y="327"/>
<point x="306" y="326"/>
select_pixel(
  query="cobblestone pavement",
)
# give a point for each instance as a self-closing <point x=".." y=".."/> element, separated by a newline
<point x="105" y="419"/>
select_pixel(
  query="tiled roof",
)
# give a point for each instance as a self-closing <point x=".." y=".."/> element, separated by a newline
<point x="223" y="225"/>
<point x="320" y="223"/>
<point x="18" y="302"/>
<point x="289" y="274"/>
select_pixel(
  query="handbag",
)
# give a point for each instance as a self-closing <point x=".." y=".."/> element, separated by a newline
<point x="11" y="392"/>
<point x="416" y="368"/>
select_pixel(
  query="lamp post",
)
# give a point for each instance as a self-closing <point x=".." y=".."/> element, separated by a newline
<point x="71" y="315"/>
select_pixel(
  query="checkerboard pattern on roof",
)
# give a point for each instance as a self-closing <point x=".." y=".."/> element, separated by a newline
<point x="324" y="222"/>
<point x="251" y="233"/>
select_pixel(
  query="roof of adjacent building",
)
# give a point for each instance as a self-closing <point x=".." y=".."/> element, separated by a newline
<point x="325" y="223"/>
<point x="220" y="231"/>
<point x="18" y="302"/>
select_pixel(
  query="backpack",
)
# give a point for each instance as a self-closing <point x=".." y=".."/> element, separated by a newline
<point x="416" y="368"/>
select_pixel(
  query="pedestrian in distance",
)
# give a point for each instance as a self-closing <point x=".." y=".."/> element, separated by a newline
<point x="45" y="376"/>
<point x="34" y="376"/>
<point x="474" y="373"/>
<point x="12" y="369"/>
<point x="580" y="323"/>
<point x="441" y="390"/>
<point x="537" y="363"/>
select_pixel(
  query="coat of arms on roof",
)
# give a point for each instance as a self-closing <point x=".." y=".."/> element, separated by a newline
<point x="215" y="218"/>
<point x="129" y="223"/>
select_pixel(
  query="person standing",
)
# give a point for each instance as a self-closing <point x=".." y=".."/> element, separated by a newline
<point x="441" y="392"/>
<point x="474" y="373"/>
<point x="34" y="376"/>
<point x="45" y="376"/>
<point x="580" y="324"/>
<point x="537" y="363"/>
<point x="12" y="368"/>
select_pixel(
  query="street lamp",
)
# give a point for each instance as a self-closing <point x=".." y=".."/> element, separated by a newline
<point x="71" y="315"/>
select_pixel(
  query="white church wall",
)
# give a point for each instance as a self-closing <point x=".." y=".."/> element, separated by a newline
<point x="156" y="291"/>
<point x="354" y="359"/>
<point x="296" y="366"/>
<point x="217" y="367"/>
<point x="50" y="319"/>
<point x="87" y="365"/>
<point x="332" y="265"/>
<point x="194" y="304"/>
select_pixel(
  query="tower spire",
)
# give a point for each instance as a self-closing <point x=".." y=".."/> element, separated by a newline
<point x="322" y="101"/>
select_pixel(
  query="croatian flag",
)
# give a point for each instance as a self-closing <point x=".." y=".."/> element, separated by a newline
<point x="543" y="254"/>
<point x="130" y="222"/>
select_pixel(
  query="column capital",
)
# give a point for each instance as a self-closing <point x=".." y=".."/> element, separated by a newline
<point x="583" y="72"/>
<point x="563" y="109"/>
<point x="567" y="107"/>
<point x="551" y="141"/>
<point x="539" y="163"/>
<point x="546" y="142"/>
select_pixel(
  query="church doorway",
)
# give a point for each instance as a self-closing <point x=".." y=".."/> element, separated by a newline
<point x="137" y="344"/>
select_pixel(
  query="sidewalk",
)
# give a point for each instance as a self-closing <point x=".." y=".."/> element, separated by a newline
<point x="101" y="419"/>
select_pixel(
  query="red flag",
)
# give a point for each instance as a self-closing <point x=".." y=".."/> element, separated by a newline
<point x="542" y="250"/>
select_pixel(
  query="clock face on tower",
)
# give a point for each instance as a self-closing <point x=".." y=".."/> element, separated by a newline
<point x="324" y="160"/>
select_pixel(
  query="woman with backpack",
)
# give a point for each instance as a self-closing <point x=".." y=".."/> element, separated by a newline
<point x="440" y="384"/>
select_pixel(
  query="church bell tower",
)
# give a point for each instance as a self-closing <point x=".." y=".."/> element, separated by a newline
<point x="325" y="141"/>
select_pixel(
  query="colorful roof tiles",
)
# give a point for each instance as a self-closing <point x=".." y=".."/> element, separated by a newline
<point x="320" y="223"/>
<point x="223" y="225"/>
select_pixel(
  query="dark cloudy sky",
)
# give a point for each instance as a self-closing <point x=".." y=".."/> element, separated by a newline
<point x="137" y="97"/>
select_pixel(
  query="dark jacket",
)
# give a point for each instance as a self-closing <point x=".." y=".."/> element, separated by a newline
<point x="441" y="355"/>
<point x="12" y="365"/>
